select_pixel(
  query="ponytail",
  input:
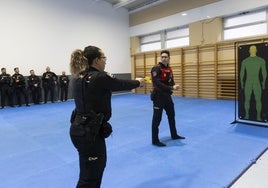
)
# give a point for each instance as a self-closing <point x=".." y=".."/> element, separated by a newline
<point x="78" y="62"/>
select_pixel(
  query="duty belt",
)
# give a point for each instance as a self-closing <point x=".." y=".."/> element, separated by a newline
<point x="82" y="119"/>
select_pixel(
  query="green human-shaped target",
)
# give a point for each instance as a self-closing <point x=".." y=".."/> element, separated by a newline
<point x="253" y="66"/>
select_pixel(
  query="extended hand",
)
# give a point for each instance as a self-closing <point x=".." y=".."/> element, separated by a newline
<point x="141" y="80"/>
<point x="176" y="87"/>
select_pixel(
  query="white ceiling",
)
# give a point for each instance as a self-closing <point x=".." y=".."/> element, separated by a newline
<point x="134" y="5"/>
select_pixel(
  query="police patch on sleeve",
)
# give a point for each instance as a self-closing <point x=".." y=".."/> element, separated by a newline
<point x="154" y="73"/>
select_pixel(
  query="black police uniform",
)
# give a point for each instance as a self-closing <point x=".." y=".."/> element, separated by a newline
<point x="49" y="82"/>
<point x="19" y="86"/>
<point x="92" y="94"/>
<point x="64" y="85"/>
<point x="34" y="85"/>
<point x="6" y="90"/>
<point x="163" y="82"/>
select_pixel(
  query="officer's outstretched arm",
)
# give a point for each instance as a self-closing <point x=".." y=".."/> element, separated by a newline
<point x="141" y="80"/>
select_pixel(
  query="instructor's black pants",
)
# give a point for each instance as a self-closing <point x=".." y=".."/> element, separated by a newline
<point x="163" y="102"/>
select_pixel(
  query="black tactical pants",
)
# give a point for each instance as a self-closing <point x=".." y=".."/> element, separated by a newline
<point x="92" y="157"/>
<point x="36" y="94"/>
<point x="160" y="102"/>
<point x="6" y="92"/>
<point x="49" y="88"/>
<point x="63" y="92"/>
<point x="21" y="92"/>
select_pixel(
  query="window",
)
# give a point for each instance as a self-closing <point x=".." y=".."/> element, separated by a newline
<point x="245" y="25"/>
<point x="165" y="39"/>
<point x="177" y="38"/>
<point x="151" y="46"/>
<point x="150" y="42"/>
<point x="178" y="42"/>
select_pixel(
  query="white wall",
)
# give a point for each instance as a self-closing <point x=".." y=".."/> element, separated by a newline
<point x="39" y="33"/>
<point x="218" y="9"/>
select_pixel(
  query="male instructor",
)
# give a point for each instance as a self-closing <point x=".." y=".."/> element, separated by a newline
<point x="163" y="86"/>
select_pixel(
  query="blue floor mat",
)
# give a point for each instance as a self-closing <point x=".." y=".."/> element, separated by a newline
<point x="36" y="150"/>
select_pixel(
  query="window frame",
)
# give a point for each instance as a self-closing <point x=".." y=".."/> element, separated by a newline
<point x="227" y="35"/>
<point x="163" y="40"/>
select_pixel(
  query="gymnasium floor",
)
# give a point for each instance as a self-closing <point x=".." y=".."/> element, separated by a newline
<point x="36" y="151"/>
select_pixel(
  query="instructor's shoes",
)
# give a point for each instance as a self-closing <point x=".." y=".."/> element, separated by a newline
<point x="159" y="144"/>
<point x="178" y="137"/>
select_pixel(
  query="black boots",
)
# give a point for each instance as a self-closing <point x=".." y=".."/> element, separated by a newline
<point x="159" y="144"/>
<point x="177" y="137"/>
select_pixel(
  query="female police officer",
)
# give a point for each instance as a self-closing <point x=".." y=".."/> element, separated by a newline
<point x="89" y="121"/>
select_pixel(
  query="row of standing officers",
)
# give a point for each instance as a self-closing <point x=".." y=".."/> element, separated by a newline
<point x="15" y="86"/>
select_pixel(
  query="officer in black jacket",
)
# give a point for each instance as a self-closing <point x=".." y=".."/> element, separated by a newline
<point x="163" y="84"/>
<point x="64" y="86"/>
<point x="92" y="94"/>
<point x="49" y="80"/>
<point x="5" y="88"/>
<point x="19" y="86"/>
<point x="34" y="86"/>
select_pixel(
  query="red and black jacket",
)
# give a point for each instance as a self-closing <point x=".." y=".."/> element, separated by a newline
<point x="162" y="78"/>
